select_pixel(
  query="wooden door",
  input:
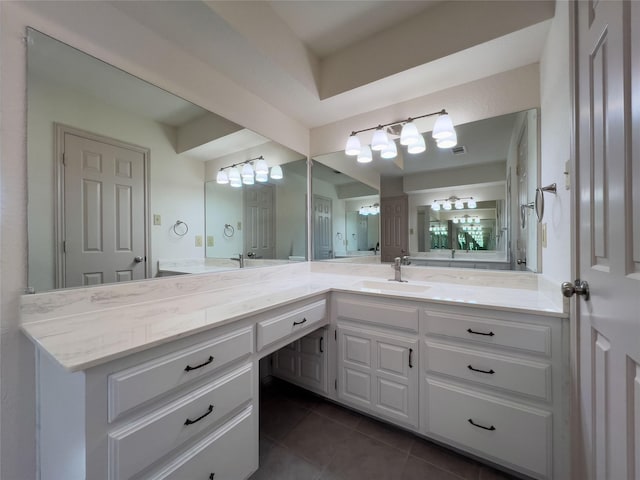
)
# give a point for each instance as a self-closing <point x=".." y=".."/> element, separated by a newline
<point x="259" y="238"/>
<point x="104" y="212"/>
<point x="394" y="216"/>
<point x="606" y="226"/>
<point x="322" y="228"/>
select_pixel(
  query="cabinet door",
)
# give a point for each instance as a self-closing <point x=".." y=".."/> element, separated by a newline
<point x="378" y="371"/>
<point x="304" y="362"/>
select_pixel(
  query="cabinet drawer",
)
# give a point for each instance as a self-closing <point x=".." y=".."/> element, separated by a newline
<point x="392" y="316"/>
<point x="520" y="336"/>
<point x="140" y="443"/>
<point x="274" y="329"/>
<point x="514" y="434"/>
<point x="509" y="373"/>
<point x="138" y="384"/>
<point x="229" y="453"/>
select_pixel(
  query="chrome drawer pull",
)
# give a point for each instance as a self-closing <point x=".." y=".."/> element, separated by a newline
<point x="491" y="372"/>
<point x="300" y="322"/>
<point x="490" y="334"/>
<point x="188" y="421"/>
<point x="188" y="368"/>
<point x="411" y="358"/>
<point x="480" y="426"/>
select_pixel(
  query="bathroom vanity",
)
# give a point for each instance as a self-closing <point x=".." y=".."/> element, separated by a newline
<point x="162" y="381"/>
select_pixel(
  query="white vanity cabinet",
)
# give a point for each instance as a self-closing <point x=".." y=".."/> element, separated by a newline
<point x="495" y="383"/>
<point x="305" y="362"/>
<point x="378" y="349"/>
<point x="168" y="412"/>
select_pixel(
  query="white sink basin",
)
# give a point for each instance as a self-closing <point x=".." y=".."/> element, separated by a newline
<point x="390" y="286"/>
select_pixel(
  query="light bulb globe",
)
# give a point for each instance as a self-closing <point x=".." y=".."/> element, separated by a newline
<point x="379" y="141"/>
<point x="409" y="134"/>
<point x="353" y="146"/>
<point x="365" y="155"/>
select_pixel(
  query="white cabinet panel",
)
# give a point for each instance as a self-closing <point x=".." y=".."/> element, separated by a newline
<point x="357" y="350"/>
<point x="398" y="316"/>
<point x="356" y="386"/>
<point x="274" y="329"/>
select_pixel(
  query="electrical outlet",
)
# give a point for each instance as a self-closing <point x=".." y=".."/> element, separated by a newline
<point x="239" y="226"/>
<point x="567" y="175"/>
<point x="157" y="220"/>
<point x="209" y="240"/>
<point x="198" y="240"/>
<point x="544" y="235"/>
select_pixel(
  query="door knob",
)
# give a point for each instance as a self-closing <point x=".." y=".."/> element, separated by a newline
<point x="137" y="259"/>
<point x="521" y="261"/>
<point x="579" y="287"/>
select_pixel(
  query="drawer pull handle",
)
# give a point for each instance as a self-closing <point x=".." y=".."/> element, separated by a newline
<point x="491" y="428"/>
<point x="490" y="372"/>
<point x="188" y="421"/>
<point x="300" y="322"/>
<point x="188" y="368"/>
<point x="211" y="476"/>
<point x="321" y="342"/>
<point x="411" y="358"/>
<point x="490" y="334"/>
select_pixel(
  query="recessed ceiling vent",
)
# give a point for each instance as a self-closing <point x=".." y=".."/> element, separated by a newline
<point x="459" y="150"/>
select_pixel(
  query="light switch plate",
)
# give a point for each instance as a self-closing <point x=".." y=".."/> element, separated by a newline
<point x="239" y="226"/>
<point x="157" y="220"/>
<point x="209" y="240"/>
<point x="198" y="240"/>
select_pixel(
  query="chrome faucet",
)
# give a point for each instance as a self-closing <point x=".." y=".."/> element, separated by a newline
<point x="453" y="253"/>
<point x="240" y="260"/>
<point x="397" y="267"/>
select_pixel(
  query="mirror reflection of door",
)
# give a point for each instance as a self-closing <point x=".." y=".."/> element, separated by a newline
<point x="523" y="200"/>
<point x="394" y="213"/>
<point x="259" y="238"/>
<point x="322" y="227"/>
<point x="103" y="225"/>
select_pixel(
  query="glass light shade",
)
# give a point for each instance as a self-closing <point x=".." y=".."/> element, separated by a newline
<point x="379" y="140"/>
<point x="236" y="182"/>
<point x="262" y="177"/>
<point x="447" y="142"/>
<point x="353" y="146"/>
<point x="375" y="210"/>
<point x="409" y="134"/>
<point x="471" y="203"/>
<point x="477" y="219"/>
<point x="390" y="150"/>
<point x="276" y="173"/>
<point x="365" y="155"/>
<point x="234" y="176"/>
<point x="248" y="180"/>
<point x="247" y="170"/>
<point x="463" y="220"/>
<point x="261" y="167"/>
<point x="459" y="205"/>
<point x="446" y="205"/>
<point x="222" y="178"/>
<point x="418" y="147"/>
<point x="443" y="127"/>
<point x="435" y="206"/>
<point x="456" y="219"/>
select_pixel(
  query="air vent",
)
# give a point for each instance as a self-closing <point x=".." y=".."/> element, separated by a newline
<point x="459" y="150"/>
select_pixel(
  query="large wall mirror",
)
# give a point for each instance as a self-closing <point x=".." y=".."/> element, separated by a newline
<point x="116" y="179"/>
<point x="345" y="216"/>
<point x="467" y="206"/>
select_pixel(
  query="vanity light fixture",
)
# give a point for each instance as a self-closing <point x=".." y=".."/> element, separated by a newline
<point x="458" y="202"/>
<point x="250" y="173"/>
<point x="443" y="133"/>
<point x="370" y="209"/>
<point x="466" y="219"/>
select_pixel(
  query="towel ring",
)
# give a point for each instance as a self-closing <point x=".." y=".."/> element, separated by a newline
<point x="177" y="224"/>
<point x="539" y="203"/>
<point x="228" y="231"/>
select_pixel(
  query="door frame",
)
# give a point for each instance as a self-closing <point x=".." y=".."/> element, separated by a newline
<point x="61" y="130"/>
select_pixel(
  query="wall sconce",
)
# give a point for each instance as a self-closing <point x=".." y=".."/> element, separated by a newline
<point x="447" y="203"/>
<point x="249" y="174"/>
<point x="443" y="133"/>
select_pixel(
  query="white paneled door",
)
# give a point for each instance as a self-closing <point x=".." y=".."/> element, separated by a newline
<point x="607" y="239"/>
<point x="104" y="222"/>
<point x="259" y="235"/>
<point x="394" y="228"/>
<point x="322" y="228"/>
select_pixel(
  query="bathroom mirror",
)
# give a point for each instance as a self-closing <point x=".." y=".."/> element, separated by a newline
<point x="117" y="170"/>
<point x="496" y="163"/>
<point x="346" y="216"/>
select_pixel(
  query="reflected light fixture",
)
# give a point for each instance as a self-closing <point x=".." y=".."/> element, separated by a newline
<point x="258" y="171"/>
<point x="369" y="209"/>
<point x="443" y="133"/>
<point x="458" y="202"/>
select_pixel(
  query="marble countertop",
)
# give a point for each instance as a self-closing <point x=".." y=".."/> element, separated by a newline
<point x="85" y="327"/>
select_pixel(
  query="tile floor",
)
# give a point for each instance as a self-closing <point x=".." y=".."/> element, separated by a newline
<point x="304" y="437"/>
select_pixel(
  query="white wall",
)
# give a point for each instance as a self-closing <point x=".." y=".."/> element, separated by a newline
<point x="555" y="76"/>
<point x="224" y="206"/>
<point x="291" y="215"/>
<point x="338" y="215"/>
<point x="176" y="189"/>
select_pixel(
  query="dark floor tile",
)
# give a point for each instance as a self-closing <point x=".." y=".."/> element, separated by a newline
<point x="278" y="417"/>
<point x="303" y="397"/>
<point x="363" y="458"/>
<point x="386" y="433"/>
<point x="316" y="439"/>
<point x="280" y="464"/>
<point x="341" y="415"/>
<point x="445" y="459"/>
<point x="418" y="469"/>
<point x="488" y="473"/>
